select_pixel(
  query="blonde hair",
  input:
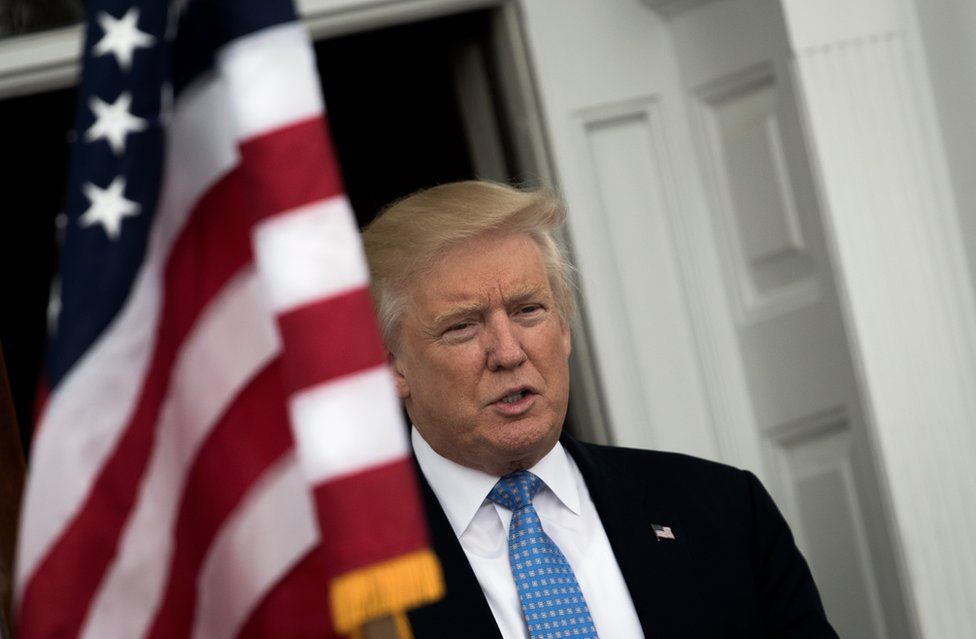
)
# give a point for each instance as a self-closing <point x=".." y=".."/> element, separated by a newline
<point x="411" y="233"/>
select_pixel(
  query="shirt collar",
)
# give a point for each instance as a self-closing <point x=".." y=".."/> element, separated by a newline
<point x="461" y="491"/>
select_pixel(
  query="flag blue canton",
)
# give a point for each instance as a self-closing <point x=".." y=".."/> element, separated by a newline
<point x="138" y="57"/>
<point x="116" y="161"/>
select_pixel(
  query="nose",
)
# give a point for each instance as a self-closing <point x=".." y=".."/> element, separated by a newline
<point x="504" y="348"/>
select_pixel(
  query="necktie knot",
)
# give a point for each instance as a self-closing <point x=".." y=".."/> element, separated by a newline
<point x="515" y="490"/>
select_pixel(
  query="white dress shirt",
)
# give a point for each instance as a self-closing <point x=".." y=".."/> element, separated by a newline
<point x="568" y="517"/>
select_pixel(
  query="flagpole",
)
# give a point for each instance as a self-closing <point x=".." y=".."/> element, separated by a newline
<point x="382" y="628"/>
<point x="11" y="486"/>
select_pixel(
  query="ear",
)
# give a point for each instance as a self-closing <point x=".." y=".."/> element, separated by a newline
<point x="399" y="379"/>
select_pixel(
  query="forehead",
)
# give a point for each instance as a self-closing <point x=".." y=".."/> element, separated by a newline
<point x="486" y="268"/>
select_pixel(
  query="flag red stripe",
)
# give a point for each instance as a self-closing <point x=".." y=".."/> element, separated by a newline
<point x="209" y="250"/>
<point x="297" y="606"/>
<point x="329" y="338"/>
<point x="290" y="167"/>
<point x="42" y="393"/>
<point x="364" y="506"/>
<point x="250" y="437"/>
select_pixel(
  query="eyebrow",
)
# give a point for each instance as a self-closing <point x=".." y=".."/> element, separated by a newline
<point x="524" y="294"/>
<point x="518" y="296"/>
<point x="458" y="312"/>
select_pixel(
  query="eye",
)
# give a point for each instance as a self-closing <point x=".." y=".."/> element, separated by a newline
<point x="530" y="309"/>
<point x="529" y="314"/>
<point x="458" y="331"/>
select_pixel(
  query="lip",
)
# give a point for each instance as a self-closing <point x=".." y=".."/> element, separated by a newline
<point x="515" y="408"/>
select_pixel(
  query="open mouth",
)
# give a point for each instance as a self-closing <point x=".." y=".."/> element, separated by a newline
<point x="515" y="397"/>
<point x="515" y="402"/>
<point x="511" y="398"/>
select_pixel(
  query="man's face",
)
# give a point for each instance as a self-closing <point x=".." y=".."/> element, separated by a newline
<point x="483" y="357"/>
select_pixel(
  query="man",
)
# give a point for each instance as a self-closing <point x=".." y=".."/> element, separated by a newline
<point x="539" y="535"/>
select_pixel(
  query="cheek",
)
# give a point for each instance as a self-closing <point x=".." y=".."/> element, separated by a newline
<point x="558" y="347"/>
<point x="460" y="363"/>
<point x="450" y="381"/>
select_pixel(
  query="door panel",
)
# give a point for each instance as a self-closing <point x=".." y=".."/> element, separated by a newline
<point x="628" y="160"/>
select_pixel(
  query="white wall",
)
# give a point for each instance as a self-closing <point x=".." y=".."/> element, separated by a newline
<point x="948" y="29"/>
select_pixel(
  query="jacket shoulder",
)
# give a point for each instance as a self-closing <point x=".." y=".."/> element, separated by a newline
<point x="732" y="538"/>
<point x="661" y="466"/>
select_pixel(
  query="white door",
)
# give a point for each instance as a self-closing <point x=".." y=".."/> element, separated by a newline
<point x="708" y="294"/>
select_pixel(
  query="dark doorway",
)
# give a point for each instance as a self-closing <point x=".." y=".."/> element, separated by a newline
<point x="393" y="103"/>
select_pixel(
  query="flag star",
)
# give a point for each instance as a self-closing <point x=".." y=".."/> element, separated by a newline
<point x="122" y="37"/>
<point x="114" y="122"/>
<point x="108" y="207"/>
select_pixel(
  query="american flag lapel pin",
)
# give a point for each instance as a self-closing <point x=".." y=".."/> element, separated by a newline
<point x="662" y="532"/>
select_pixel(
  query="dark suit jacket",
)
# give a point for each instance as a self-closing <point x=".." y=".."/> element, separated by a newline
<point x="733" y="569"/>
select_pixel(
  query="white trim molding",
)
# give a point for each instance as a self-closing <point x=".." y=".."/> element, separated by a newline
<point x="892" y="227"/>
<point x="50" y="59"/>
<point x="327" y="18"/>
<point x="40" y="62"/>
<point x="670" y="8"/>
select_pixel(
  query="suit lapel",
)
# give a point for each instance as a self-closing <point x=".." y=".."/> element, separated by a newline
<point x="464" y="611"/>
<point x="657" y="573"/>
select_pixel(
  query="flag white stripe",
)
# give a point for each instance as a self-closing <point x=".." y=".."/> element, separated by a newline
<point x="272" y="79"/>
<point x="310" y="253"/>
<point x="348" y="424"/>
<point x="233" y="340"/>
<point x="265" y="537"/>
<point x="201" y="150"/>
<point x="102" y="387"/>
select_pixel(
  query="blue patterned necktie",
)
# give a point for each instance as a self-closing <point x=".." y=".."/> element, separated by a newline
<point x="552" y="603"/>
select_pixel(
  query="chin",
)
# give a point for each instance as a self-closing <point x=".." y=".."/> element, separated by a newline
<point x="525" y="445"/>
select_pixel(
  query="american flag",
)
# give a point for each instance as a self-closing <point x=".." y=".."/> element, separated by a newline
<point x="220" y="452"/>
<point x="662" y="532"/>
